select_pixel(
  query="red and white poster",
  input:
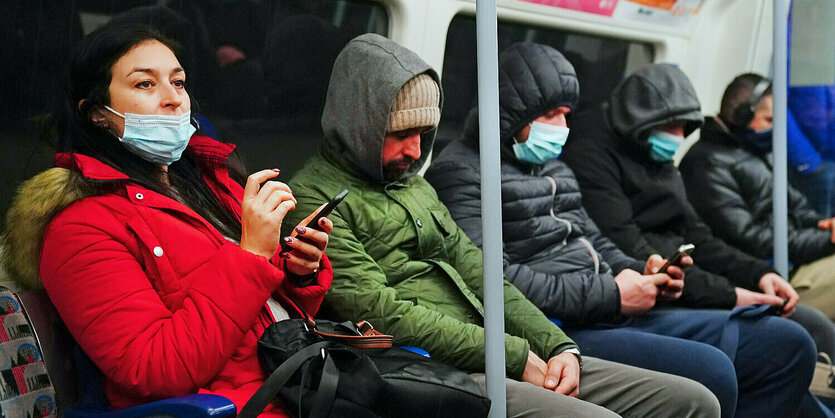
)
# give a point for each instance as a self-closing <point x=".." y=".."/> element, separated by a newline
<point x="664" y="12"/>
<point x="598" y="7"/>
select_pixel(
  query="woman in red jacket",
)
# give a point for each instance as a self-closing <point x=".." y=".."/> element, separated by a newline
<point x="165" y="270"/>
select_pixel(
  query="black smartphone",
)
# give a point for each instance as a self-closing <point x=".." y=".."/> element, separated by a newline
<point x="314" y="223"/>
<point x="683" y="249"/>
<point x="325" y="211"/>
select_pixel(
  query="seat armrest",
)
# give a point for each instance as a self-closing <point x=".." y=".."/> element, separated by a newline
<point x="196" y="405"/>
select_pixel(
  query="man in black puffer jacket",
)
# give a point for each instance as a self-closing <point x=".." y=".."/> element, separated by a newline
<point x="729" y="180"/>
<point x="556" y="255"/>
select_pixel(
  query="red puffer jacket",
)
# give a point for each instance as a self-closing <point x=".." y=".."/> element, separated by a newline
<point x="161" y="302"/>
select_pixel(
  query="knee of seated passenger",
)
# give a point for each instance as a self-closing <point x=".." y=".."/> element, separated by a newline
<point x="692" y="399"/>
<point x="788" y="344"/>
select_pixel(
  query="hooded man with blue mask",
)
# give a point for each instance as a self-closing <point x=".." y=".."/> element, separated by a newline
<point x="729" y="180"/>
<point x="555" y="254"/>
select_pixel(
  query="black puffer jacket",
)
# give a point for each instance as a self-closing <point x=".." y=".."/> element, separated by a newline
<point x="553" y="252"/>
<point x="642" y="205"/>
<point x="731" y="188"/>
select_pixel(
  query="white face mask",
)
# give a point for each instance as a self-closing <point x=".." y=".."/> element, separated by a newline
<point x="160" y="139"/>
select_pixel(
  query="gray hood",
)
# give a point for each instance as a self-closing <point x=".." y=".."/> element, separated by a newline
<point x="365" y="80"/>
<point x="653" y="96"/>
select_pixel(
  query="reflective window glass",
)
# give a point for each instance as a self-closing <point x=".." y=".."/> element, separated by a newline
<point x="257" y="70"/>
<point x="600" y="62"/>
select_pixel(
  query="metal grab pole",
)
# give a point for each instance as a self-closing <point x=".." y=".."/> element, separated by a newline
<point x="780" y="89"/>
<point x="491" y="209"/>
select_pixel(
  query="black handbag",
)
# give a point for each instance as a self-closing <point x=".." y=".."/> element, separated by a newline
<point x="320" y="369"/>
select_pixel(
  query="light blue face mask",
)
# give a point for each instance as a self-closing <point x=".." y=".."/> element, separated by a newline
<point x="663" y="146"/>
<point x="160" y="139"/>
<point x="544" y="143"/>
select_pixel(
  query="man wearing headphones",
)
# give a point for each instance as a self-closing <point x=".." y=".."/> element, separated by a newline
<point x="728" y="177"/>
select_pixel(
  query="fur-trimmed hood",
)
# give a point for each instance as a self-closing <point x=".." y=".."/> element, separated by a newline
<point x="41" y="198"/>
<point x="38" y="200"/>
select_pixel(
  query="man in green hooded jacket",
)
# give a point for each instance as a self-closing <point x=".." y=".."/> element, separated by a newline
<point x="401" y="263"/>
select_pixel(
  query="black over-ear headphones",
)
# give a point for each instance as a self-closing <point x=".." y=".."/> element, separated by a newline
<point x="744" y="113"/>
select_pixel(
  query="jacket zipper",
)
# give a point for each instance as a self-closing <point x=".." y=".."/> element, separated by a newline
<point x="567" y="223"/>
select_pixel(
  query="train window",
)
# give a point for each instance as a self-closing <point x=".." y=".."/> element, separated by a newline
<point x="258" y="70"/>
<point x="601" y="62"/>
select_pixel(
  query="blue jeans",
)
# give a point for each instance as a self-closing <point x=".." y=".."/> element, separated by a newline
<point x="766" y="374"/>
<point x="818" y="187"/>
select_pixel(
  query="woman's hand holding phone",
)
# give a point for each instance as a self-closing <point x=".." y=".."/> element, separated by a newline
<point x="306" y="244"/>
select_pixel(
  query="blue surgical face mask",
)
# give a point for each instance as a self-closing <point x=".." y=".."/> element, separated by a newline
<point x="160" y="139"/>
<point x="544" y="143"/>
<point x="663" y="146"/>
<point x="759" y="141"/>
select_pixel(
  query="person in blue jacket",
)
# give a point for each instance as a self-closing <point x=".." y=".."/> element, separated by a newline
<point x="811" y="145"/>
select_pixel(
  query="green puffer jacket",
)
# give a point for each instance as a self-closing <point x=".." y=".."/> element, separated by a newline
<point x="399" y="260"/>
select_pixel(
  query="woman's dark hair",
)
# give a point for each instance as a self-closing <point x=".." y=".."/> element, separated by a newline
<point x="88" y="80"/>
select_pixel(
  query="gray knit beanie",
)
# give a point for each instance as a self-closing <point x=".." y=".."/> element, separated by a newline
<point x="416" y="105"/>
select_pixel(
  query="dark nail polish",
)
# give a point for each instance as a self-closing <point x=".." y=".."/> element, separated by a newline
<point x="301" y="230"/>
<point x="322" y="221"/>
<point x="283" y="254"/>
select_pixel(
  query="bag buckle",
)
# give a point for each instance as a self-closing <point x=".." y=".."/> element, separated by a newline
<point x="309" y="325"/>
<point x="364" y="328"/>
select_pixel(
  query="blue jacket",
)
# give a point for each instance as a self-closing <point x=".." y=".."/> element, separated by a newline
<point x="811" y="127"/>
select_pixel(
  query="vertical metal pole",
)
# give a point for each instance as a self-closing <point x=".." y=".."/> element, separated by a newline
<point x="780" y="88"/>
<point x="491" y="209"/>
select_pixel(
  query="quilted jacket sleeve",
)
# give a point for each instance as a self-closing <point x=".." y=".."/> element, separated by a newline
<point x="522" y="317"/>
<point x="574" y="298"/>
<point x="112" y="310"/>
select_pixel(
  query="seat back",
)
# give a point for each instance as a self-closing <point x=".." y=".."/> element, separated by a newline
<point x="26" y="388"/>
<point x="55" y="343"/>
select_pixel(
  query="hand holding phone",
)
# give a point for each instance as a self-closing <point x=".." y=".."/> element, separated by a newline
<point x="314" y="222"/>
<point x="683" y="249"/>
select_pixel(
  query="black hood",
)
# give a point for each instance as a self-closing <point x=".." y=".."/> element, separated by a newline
<point x="654" y="95"/>
<point x="533" y="79"/>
